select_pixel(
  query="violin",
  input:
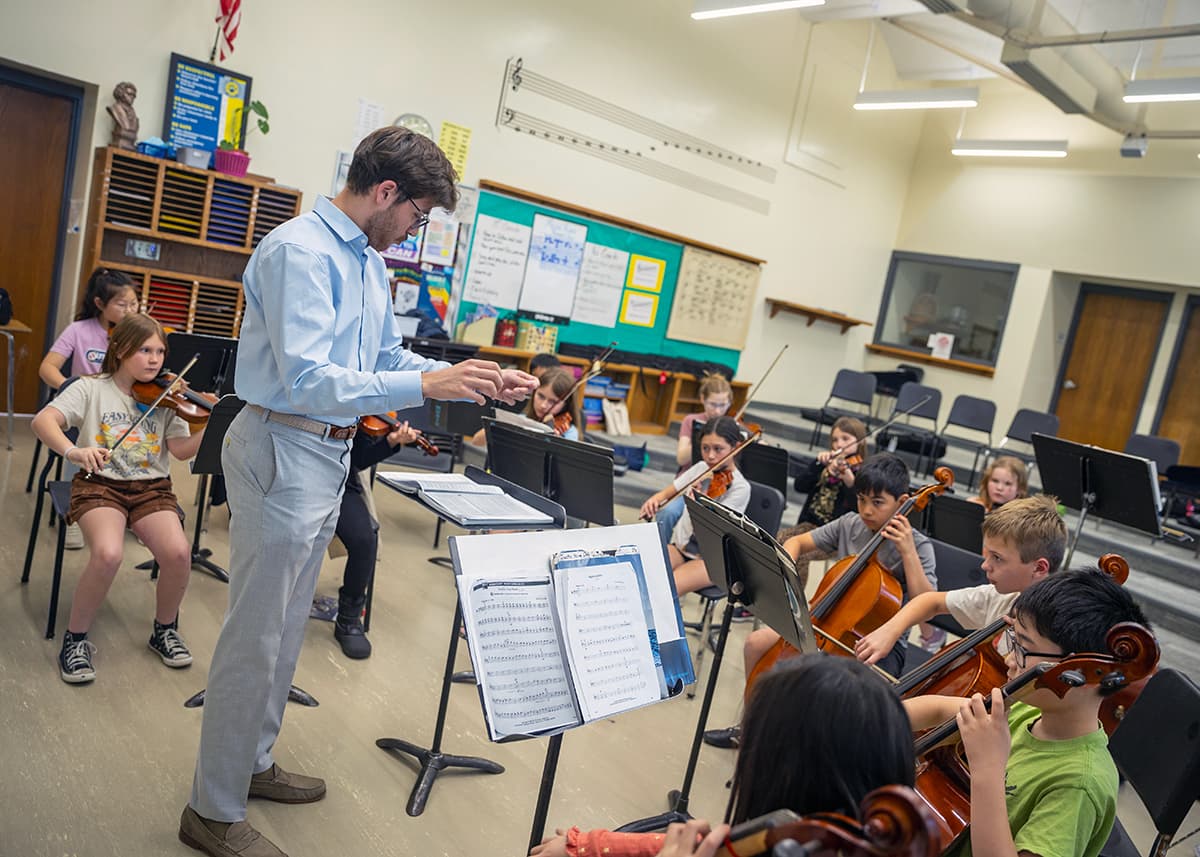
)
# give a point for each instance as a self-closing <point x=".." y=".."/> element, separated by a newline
<point x="856" y="596"/>
<point x="943" y="779"/>
<point x="562" y="422"/>
<point x="378" y="425"/>
<point x="192" y="407"/>
<point x="719" y="484"/>
<point x="896" y="823"/>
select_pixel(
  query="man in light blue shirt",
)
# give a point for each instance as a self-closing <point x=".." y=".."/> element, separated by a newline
<point x="319" y="348"/>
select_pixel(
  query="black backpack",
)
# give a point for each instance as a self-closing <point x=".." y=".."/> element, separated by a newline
<point x="5" y="307"/>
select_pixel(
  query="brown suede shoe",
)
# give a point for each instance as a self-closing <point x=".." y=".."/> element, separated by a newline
<point x="219" y="839"/>
<point x="282" y="787"/>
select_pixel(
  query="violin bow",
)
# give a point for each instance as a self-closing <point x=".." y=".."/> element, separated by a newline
<point x="596" y="368"/>
<point x="754" y="389"/>
<point x="167" y="390"/>
<point x="716" y="464"/>
<point x="891" y="421"/>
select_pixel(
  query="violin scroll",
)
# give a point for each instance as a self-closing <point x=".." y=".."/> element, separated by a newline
<point x="1115" y="566"/>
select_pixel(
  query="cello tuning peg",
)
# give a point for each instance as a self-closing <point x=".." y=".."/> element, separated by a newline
<point x="1073" y="678"/>
<point x="1112" y="681"/>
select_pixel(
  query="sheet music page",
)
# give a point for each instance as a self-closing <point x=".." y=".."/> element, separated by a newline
<point x="474" y="509"/>
<point x="607" y="641"/>
<point x="516" y="653"/>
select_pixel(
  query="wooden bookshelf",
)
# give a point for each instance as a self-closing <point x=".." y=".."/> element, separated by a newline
<point x="205" y="225"/>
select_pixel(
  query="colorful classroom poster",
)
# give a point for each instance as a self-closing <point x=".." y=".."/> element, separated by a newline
<point x="645" y="273"/>
<point x="455" y="142"/>
<point x="639" y="309"/>
<point x="441" y="235"/>
<point x="205" y="104"/>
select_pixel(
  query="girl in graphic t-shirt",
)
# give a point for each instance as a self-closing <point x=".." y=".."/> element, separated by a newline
<point x="127" y="486"/>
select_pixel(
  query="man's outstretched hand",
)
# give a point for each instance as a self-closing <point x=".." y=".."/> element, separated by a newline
<point x="477" y="381"/>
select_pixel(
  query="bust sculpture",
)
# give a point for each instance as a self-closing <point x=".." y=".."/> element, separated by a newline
<point x="125" y="121"/>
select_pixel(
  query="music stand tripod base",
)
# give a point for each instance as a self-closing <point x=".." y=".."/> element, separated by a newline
<point x="295" y="694"/>
<point x="432" y="760"/>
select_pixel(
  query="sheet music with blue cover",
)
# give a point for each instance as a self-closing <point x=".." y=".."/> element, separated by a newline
<point x="563" y="637"/>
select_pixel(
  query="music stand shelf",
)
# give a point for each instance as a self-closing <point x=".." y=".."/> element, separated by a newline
<point x="432" y="759"/>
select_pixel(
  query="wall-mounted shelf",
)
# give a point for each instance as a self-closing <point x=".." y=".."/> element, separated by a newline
<point x="917" y="356"/>
<point x="814" y="314"/>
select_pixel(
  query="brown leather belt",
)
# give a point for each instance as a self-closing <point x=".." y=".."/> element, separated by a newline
<point x="325" y="430"/>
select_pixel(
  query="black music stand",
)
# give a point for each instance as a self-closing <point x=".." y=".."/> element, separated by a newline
<point x="215" y="364"/>
<point x="432" y="760"/>
<point x="1110" y="485"/>
<point x="955" y="521"/>
<point x="757" y="573"/>
<point x="575" y="474"/>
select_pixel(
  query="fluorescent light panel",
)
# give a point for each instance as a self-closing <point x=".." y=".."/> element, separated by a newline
<point x="918" y="99"/>
<point x="1010" y="148"/>
<point x="1165" y="89"/>
<point x="705" y="9"/>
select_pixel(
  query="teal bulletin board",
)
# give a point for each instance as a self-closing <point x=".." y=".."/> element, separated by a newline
<point x="632" y="335"/>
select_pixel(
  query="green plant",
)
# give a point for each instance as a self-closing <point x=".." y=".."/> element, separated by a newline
<point x="261" y="120"/>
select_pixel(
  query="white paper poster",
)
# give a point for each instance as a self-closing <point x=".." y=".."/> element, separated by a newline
<point x="552" y="269"/>
<point x="598" y="296"/>
<point x="940" y="344"/>
<point x="498" y="254"/>
<point x="440" y="234"/>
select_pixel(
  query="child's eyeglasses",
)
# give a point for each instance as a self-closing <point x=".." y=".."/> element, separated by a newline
<point x="1020" y="653"/>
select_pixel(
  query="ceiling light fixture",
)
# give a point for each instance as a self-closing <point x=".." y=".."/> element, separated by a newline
<point x="1009" y="148"/>
<point x="918" y="99"/>
<point x="1163" y="89"/>
<point x="706" y="9"/>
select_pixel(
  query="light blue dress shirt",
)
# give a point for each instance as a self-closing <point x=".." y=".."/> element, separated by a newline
<point x="318" y="336"/>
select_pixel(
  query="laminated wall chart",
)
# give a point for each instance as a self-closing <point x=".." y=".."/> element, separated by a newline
<point x="714" y="299"/>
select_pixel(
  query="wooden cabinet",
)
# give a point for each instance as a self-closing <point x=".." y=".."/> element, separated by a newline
<point x="202" y="226"/>
<point x="653" y="401"/>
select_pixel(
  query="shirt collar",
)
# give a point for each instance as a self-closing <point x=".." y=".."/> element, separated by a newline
<point x="340" y="223"/>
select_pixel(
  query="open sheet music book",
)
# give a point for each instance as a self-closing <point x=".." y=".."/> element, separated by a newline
<point x="573" y="642"/>
<point x="521" y="421"/>
<point x="466" y="502"/>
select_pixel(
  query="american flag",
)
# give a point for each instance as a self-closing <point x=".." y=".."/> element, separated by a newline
<point x="230" y="17"/>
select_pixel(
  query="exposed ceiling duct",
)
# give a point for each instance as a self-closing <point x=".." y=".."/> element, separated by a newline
<point x="1044" y="49"/>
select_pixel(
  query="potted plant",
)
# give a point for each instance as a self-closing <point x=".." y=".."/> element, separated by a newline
<point x="230" y="159"/>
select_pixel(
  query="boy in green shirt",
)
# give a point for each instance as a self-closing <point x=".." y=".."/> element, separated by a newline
<point x="1042" y="780"/>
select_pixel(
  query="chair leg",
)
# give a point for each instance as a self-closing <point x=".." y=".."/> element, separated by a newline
<point x="705" y="631"/>
<point x="33" y="528"/>
<point x="37" y="453"/>
<point x="437" y="533"/>
<point x="52" y="614"/>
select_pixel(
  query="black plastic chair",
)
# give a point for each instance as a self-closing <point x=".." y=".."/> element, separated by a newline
<point x="766" y="464"/>
<point x="37" y="443"/>
<point x="765" y="509"/>
<point x="1024" y="425"/>
<point x="1163" y="451"/>
<point x="910" y="396"/>
<point x="956" y="569"/>
<point x="848" y="386"/>
<point x="972" y="414"/>
<point x="956" y="522"/>
<point x="1157" y="749"/>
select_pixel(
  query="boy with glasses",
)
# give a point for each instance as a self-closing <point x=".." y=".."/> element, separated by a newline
<point x="1042" y="780"/>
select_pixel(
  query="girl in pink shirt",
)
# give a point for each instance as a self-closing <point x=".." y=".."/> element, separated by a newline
<point x="109" y="296"/>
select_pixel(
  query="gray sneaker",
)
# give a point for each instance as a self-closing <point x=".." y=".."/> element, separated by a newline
<point x="168" y="645"/>
<point x="218" y="839"/>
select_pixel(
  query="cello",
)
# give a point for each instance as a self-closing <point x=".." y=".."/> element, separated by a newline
<point x="856" y="596"/>
<point x="943" y="779"/>
<point x="896" y="822"/>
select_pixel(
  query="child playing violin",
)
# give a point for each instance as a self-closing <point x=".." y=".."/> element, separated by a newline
<point x="554" y="403"/>
<point x="828" y="766"/>
<point x="726" y="485"/>
<point x="1042" y="779"/>
<point x="1023" y="542"/>
<point x="1004" y="479"/>
<point x="358" y="530"/>
<point x="129" y="485"/>
<point x="829" y="481"/>
<point x="109" y="296"/>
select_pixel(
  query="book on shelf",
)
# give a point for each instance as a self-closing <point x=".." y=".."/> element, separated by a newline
<point x="466" y="502"/>
<point x="570" y="643"/>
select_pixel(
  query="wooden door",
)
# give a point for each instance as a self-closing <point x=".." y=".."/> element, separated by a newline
<point x="1180" y="418"/>
<point x="35" y="148"/>
<point x="1116" y="335"/>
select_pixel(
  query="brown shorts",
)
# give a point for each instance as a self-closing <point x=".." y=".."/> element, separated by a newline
<point x="137" y="498"/>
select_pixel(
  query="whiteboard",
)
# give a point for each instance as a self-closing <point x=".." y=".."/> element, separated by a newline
<point x="714" y="299"/>
<point x="498" y="254"/>
<point x="598" y="296"/>
<point x="552" y="267"/>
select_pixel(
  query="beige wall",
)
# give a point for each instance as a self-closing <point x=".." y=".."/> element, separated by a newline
<point x="733" y="82"/>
